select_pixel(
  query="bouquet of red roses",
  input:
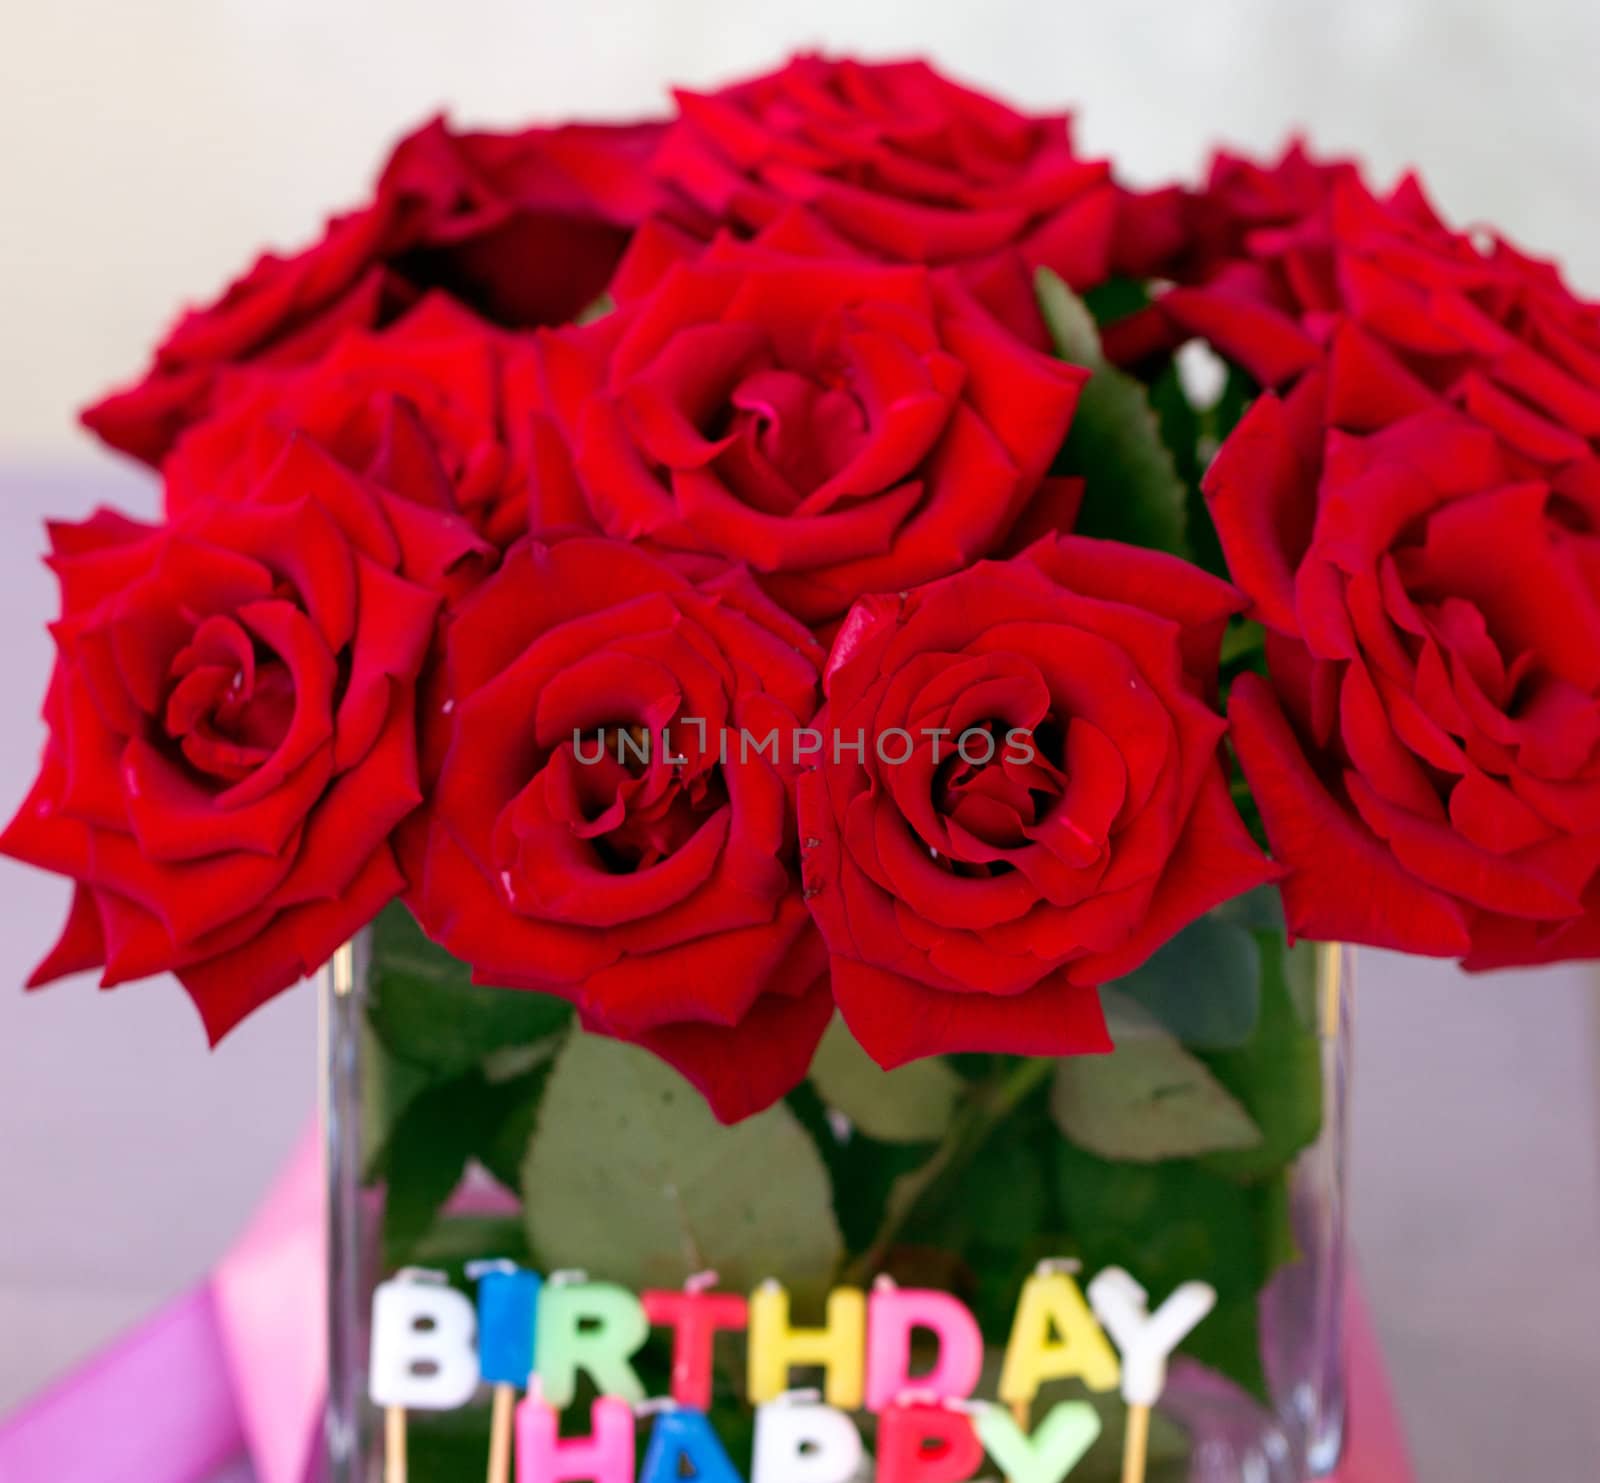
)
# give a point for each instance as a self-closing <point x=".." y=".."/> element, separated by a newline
<point x="839" y="550"/>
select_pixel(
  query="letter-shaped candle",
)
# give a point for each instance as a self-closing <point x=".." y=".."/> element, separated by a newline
<point x="927" y="1444"/>
<point x="838" y="1347"/>
<point x="423" y="1355"/>
<point x="683" y="1445"/>
<point x="604" y="1456"/>
<point x="893" y="1314"/>
<point x="508" y="1307"/>
<point x="797" y="1442"/>
<point x="593" y="1327"/>
<point x="1145" y="1339"/>
<point x="1145" y="1342"/>
<point x="1054" y="1337"/>
<point x="1056" y="1447"/>
<point x="694" y="1317"/>
<point x="508" y="1311"/>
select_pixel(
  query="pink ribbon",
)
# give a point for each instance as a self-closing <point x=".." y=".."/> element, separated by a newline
<point x="238" y="1369"/>
<point x="235" y="1368"/>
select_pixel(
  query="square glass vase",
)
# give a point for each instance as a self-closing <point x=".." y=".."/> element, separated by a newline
<point x="1210" y="1145"/>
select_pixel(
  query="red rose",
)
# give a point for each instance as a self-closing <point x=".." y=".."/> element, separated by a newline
<point x="232" y="736"/>
<point x="904" y="164"/>
<point x="435" y="408"/>
<point x="1212" y="245"/>
<point x="524" y="228"/>
<point x="566" y="849"/>
<point x="1408" y="313"/>
<point x="1429" y="767"/>
<point x="839" y="426"/>
<point x="1072" y="816"/>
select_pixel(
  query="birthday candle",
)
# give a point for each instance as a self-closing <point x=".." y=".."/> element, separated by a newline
<point x="683" y="1445"/>
<point x="893" y="1314"/>
<point x="1054" y="1337"/>
<point x="423" y="1355"/>
<point x="1056" y="1447"/>
<point x="604" y="1456"/>
<point x="801" y="1442"/>
<point x="694" y="1315"/>
<point x="1145" y="1342"/>
<point x="1145" y="1339"/>
<point x="926" y="1444"/>
<point x="508" y="1307"/>
<point x="776" y="1348"/>
<point x="592" y="1327"/>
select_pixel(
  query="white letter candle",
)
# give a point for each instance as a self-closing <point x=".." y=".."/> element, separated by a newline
<point x="1145" y="1342"/>
<point x="424" y="1356"/>
<point x="800" y="1442"/>
<point x="424" y="1345"/>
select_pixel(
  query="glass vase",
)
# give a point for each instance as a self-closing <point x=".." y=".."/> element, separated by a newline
<point x="1209" y="1145"/>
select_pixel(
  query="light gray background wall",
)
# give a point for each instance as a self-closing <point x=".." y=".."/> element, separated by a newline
<point x="147" y="150"/>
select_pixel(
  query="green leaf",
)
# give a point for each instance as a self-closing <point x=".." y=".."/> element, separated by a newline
<point x="861" y="1170"/>
<point x="388" y="1086"/>
<point x="443" y="1126"/>
<point x="455" y="1242"/>
<point x="1071" y="324"/>
<point x="428" y="1153"/>
<point x="512" y="1111"/>
<point x="1229" y="1341"/>
<point x="1172" y="1222"/>
<point x="630" y="1177"/>
<point x="1243" y="644"/>
<point x="1116" y="298"/>
<point x="1204" y="985"/>
<point x="425" y="1008"/>
<point x="1132" y="490"/>
<point x="1149" y="1099"/>
<point x="1277" y="1075"/>
<point x="913" y="1104"/>
<point x="1183" y="431"/>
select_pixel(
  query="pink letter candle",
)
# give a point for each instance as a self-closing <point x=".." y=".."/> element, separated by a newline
<point x="604" y="1456"/>
<point x="893" y="1315"/>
